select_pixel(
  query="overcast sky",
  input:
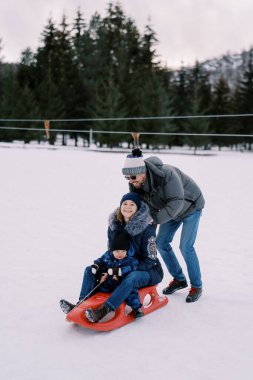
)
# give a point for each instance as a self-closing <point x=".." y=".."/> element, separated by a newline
<point x="187" y="30"/>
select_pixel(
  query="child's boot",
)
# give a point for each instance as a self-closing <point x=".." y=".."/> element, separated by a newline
<point x="66" y="306"/>
<point x="137" y="313"/>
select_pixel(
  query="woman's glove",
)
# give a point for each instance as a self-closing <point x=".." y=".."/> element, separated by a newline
<point x="94" y="268"/>
<point x="114" y="271"/>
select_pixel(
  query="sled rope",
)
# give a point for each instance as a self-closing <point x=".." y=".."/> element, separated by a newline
<point x="87" y="296"/>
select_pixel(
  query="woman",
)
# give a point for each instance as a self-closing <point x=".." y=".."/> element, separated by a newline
<point x="133" y="216"/>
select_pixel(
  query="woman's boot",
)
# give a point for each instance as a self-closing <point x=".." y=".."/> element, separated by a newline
<point x="95" y="315"/>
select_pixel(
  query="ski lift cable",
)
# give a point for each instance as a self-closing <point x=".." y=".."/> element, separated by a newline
<point x="171" y="117"/>
<point x="130" y="132"/>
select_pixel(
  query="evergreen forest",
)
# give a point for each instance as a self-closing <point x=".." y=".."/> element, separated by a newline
<point x="104" y="74"/>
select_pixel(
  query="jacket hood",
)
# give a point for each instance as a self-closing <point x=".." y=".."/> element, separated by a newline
<point x="155" y="165"/>
<point x="140" y="221"/>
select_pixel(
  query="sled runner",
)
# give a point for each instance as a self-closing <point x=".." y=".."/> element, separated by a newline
<point x="149" y="297"/>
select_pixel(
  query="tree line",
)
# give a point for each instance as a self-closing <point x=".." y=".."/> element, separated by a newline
<point x="107" y="68"/>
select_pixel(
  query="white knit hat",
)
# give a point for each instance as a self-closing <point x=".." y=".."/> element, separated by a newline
<point x="134" y="163"/>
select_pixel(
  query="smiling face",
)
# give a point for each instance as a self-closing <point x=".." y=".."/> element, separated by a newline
<point x="128" y="209"/>
<point x="138" y="181"/>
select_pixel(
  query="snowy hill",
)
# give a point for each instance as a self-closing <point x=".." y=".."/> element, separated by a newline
<point x="54" y="209"/>
<point x="230" y="66"/>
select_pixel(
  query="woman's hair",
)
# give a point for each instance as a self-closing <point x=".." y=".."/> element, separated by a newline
<point x="119" y="216"/>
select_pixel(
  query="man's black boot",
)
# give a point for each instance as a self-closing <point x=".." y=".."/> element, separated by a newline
<point x="194" y="294"/>
<point x="175" y="285"/>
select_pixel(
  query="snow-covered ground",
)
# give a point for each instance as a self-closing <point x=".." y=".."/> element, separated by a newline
<point x="54" y="206"/>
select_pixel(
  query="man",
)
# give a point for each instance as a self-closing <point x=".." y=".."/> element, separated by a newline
<point x="174" y="200"/>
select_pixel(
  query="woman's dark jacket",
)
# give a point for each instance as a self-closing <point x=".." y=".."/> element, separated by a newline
<point x="143" y="238"/>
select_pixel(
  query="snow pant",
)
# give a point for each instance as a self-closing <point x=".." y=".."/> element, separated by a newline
<point x="188" y="236"/>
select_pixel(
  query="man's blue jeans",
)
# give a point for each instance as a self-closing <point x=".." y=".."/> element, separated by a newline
<point x="136" y="279"/>
<point x="188" y="236"/>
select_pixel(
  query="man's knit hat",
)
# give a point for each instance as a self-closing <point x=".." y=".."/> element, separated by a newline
<point x="134" y="163"/>
<point x="120" y="241"/>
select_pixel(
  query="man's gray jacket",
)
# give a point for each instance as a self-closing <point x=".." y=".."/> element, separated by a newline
<point x="170" y="193"/>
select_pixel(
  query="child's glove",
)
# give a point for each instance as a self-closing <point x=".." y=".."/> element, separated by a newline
<point x="94" y="268"/>
<point x="114" y="271"/>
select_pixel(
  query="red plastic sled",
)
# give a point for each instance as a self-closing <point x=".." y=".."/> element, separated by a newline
<point x="150" y="300"/>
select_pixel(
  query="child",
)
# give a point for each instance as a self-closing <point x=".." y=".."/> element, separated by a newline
<point x="109" y="270"/>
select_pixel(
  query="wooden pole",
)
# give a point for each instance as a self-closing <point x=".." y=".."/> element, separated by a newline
<point x="47" y="126"/>
<point x="136" y="139"/>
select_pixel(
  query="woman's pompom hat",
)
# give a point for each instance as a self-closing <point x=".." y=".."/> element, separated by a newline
<point x="134" y="163"/>
<point x="134" y="197"/>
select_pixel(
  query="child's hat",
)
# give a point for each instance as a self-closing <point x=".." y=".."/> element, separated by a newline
<point x="134" y="163"/>
<point x="120" y="241"/>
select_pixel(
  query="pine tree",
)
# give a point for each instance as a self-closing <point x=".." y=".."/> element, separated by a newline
<point x="26" y="69"/>
<point x="84" y="40"/>
<point x="10" y="91"/>
<point x="1" y="74"/>
<point x="199" y="104"/>
<point x="146" y="90"/>
<point x="114" y="42"/>
<point x="109" y="104"/>
<point x="245" y="101"/>
<point x="221" y="105"/>
<point x="27" y="108"/>
<point x="46" y="54"/>
<point x="180" y="103"/>
<point x="51" y="103"/>
<point x="57" y="68"/>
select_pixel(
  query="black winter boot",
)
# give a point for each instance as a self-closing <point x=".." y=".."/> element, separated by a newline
<point x="66" y="306"/>
<point x="95" y="315"/>
<point x="194" y="294"/>
<point x="137" y="313"/>
<point x="175" y="285"/>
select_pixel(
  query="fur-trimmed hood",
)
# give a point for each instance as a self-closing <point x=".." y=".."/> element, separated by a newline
<point x="140" y="221"/>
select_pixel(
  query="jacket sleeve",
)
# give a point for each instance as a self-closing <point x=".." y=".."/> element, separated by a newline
<point x="130" y="267"/>
<point x="148" y="250"/>
<point x="102" y="261"/>
<point x="174" y="199"/>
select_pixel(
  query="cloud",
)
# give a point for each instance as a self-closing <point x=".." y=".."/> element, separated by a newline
<point x="186" y="29"/>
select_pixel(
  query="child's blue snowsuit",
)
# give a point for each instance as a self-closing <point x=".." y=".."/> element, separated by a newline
<point x="127" y="265"/>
